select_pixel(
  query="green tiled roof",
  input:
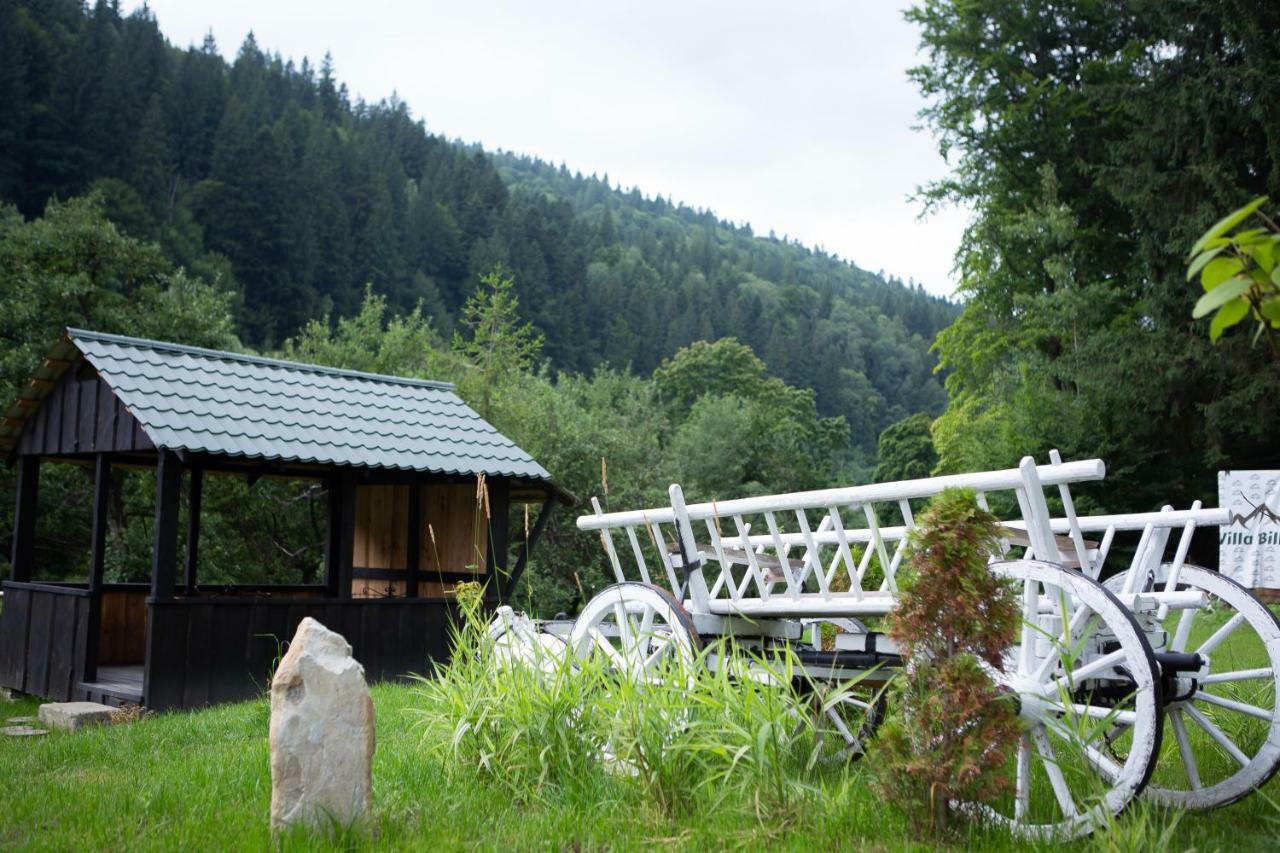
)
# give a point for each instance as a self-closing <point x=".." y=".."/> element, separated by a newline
<point x="208" y="401"/>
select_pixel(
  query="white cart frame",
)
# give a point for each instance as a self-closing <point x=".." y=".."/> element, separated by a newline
<point x="761" y="568"/>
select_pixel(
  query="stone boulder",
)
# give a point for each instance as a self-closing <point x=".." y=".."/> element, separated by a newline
<point x="322" y="734"/>
<point x="74" y="716"/>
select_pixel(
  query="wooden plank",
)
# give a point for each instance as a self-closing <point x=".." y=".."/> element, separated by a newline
<point x="139" y="440"/>
<point x="399" y="555"/>
<point x="364" y="527"/>
<point x="123" y="439"/>
<point x="380" y="551"/>
<point x="62" y="647"/>
<point x="410" y="653"/>
<point x="440" y="617"/>
<point x="14" y="629"/>
<point x="198" y="669"/>
<point x="138" y="616"/>
<point x="166" y="654"/>
<point x="105" y="406"/>
<point x="369" y="634"/>
<point x="348" y="620"/>
<point x="39" y="641"/>
<point x="70" y="414"/>
<point x="229" y="678"/>
<point x="111" y="619"/>
<point x="259" y="645"/>
<point x="413" y="540"/>
<point x="51" y="425"/>
<point x="87" y="419"/>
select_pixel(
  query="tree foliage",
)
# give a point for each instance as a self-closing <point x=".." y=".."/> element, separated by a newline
<point x="500" y="346"/>
<point x="1239" y="271"/>
<point x="905" y="450"/>
<point x="1095" y="142"/>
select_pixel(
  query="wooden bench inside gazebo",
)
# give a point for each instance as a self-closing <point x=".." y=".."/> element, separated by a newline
<point x="418" y="490"/>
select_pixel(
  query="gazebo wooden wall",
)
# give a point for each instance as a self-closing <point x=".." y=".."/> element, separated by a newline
<point x="447" y="544"/>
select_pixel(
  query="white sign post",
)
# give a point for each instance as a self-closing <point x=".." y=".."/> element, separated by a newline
<point x="1249" y="547"/>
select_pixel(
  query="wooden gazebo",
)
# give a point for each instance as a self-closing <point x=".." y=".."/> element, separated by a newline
<point x="397" y="457"/>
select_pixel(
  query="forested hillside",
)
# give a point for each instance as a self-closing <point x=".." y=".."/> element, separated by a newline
<point x="264" y="176"/>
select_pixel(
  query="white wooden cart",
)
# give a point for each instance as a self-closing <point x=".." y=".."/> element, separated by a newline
<point x="1097" y="669"/>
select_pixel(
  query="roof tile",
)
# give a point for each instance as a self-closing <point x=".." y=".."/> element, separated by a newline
<point x="219" y="402"/>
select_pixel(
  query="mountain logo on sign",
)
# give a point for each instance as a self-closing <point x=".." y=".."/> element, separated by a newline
<point x="1259" y="510"/>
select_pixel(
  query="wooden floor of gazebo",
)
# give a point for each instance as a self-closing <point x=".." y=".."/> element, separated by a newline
<point x="119" y="683"/>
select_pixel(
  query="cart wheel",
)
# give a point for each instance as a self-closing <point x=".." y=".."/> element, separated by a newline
<point x="1088" y="694"/>
<point x="638" y="628"/>
<point x="1226" y="724"/>
<point x="518" y="642"/>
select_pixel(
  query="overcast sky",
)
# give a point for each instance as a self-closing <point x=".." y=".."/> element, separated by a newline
<point x="793" y="116"/>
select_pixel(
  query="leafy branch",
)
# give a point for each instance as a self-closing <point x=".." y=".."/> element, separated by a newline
<point x="1240" y="273"/>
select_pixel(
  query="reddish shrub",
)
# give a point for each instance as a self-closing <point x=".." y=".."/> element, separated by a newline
<point x="951" y="732"/>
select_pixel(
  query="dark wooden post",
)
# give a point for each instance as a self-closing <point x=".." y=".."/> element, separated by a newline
<point x="24" y="518"/>
<point x="333" y="496"/>
<point x="496" y="556"/>
<point x="539" y="525"/>
<point x="340" y="535"/>
<point x="413" y="564"/>
<point x="195" y="489"/>
<point x="97" y="561"/>
<point x="164" y="548"/>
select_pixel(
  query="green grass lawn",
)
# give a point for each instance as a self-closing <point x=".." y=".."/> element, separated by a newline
<point x="201" y="781"/>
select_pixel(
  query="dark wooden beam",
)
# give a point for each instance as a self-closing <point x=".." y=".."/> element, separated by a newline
<point x="195" y="490"/>
<point x="539" y="525"/>
<point x="164" y="548"/>
<point x="24" y="518"/>
<point x="333" y="536"/>
<point x="413" y="562"/>
<point x="97" y="562"/>
<point x="340" y="537"/>
<point x="360" y="573"/>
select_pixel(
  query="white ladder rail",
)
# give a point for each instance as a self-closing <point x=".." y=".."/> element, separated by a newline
<point x="1069" y="510"/>
<point x="607" y="538"/>
<point x="692" y="558"/>
<point x="1179" y="558"/>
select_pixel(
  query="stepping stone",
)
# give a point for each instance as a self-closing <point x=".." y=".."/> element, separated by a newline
<point x="22" y="731"/>
<point x="73" y="716"/>
<point x="22" y="719"/>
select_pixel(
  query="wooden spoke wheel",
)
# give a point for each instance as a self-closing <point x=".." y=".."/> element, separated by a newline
<point x="1088" y="695"/>
<point x="639" y="630"/>
<point x="1224" y="718"/>
<point x="518" y="642"/>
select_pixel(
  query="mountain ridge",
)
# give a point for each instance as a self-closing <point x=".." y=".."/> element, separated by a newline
<point x="261" y="173"/>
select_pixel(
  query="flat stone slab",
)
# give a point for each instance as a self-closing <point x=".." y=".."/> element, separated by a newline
<point x="22" y="731"/>
<point x="73" y="716"/>
<point x="22" y="719"/>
